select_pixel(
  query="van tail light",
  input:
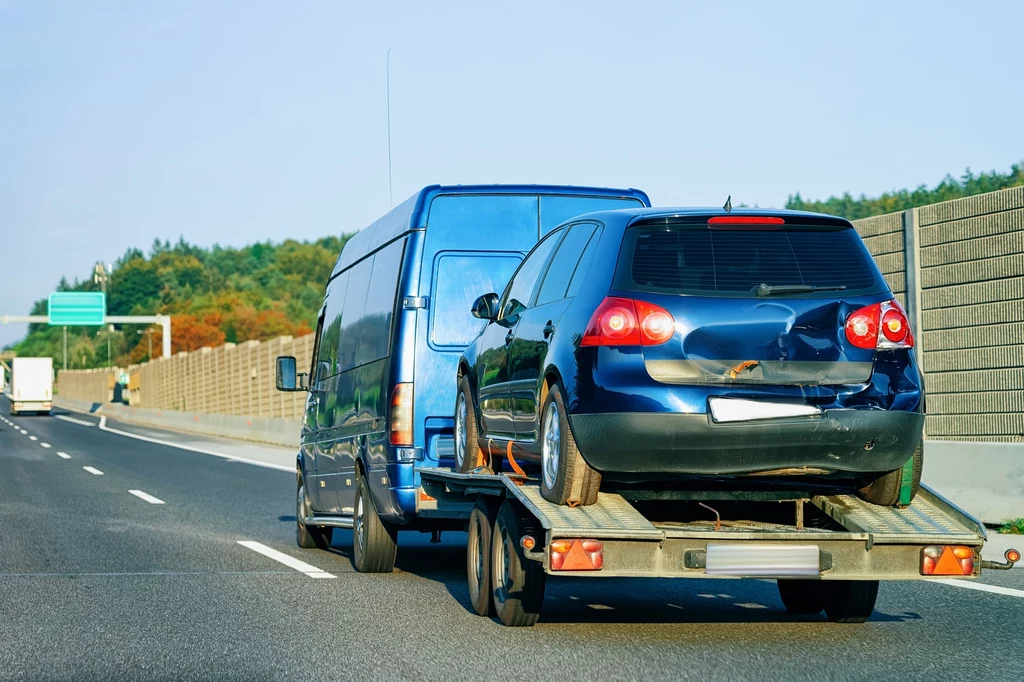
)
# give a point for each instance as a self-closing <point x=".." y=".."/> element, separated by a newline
<point x="626" y="322"/>
<point x="947" y="560"/>
<point x="577" y="555"/>
<point x="881" y="325"/>
<point x="400" y="426"/>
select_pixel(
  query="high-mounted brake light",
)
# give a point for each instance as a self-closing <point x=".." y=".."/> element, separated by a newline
<point x="400" y="426"/>
<point x="745" y="220"/>
<point x="880" y="325"/>
<point x="577" y="555"/>
<point x="947" y="560"/>
<point x="625" y="322"/>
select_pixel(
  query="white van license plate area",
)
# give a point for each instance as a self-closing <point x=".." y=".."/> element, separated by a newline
<point x="763" y="561"/>
<point x="725" y="410"/>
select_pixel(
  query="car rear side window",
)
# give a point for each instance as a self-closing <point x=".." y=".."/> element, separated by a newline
<point x="697" y="260"/>
<point x="564" y="263"/>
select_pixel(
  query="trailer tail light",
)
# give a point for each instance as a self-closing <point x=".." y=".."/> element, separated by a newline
<point x="625" y="322"/>
<point x="400" y="425"/>
<point x="577" y="555"/>
<point x="881" y="325"/>
<point x="947" y="560"/>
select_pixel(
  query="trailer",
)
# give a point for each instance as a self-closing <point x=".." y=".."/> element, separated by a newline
<point x="828" y="552"/>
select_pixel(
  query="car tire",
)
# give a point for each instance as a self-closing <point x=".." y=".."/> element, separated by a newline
<point x="802" y="597"/>
<point x="566" y="478"/>
<point x="308" y="537"/>
<point x="478" y="558"/>
<point x="885" y="490"/>
<point x="850" y="601"/>
<point x="469" y="456"/>
<point x="374" y="541"/>
<point x="517" y="583"/>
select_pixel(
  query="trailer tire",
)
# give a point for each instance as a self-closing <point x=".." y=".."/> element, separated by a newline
<point x="885" y="490"/>
<point x="374" y="542"/>
<point x="801" y="597"/>
<point x="469" y="456"/>
<point x="478" y="558"/>
<point x="566" y="478"/>
<point x="308" y="537"/>
<point x="850" y="601"/>
<point x="517" y="583"/>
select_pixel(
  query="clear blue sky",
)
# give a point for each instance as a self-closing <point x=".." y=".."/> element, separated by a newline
<point x="232" y="122"/>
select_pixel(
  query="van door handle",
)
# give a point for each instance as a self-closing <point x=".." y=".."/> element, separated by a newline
<point x="508" y="338"/>
<point x="548" y="330"/>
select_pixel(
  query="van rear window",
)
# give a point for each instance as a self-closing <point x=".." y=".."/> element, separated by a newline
<point x="459" y="279"/>
<point x="697" y="260"/>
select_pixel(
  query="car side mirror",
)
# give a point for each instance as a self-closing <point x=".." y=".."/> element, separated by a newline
<point x="286" y="378"/>
<point x="486" y="307"/>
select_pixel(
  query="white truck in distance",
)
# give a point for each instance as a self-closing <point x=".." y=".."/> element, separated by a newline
<point x="31" y="385"/>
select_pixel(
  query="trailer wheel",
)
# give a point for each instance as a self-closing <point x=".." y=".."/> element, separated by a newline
<point x="469" y="456"/>
<point x="850" y="601"/>
<point x="308" y="537"/>
<point x="885" y="490"/>
<point x="518" y="584"/>
<point x="374" y="542"/>
<point x="801" y="597"/>
<point x="566" y="478"/>
<point x="478" y="558"/>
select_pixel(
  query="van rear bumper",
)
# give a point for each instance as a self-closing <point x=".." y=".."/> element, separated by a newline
<point x="858" y="441"/>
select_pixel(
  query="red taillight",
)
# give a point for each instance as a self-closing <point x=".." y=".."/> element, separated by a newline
<point x="746" y="220"/>
<point x="625" y="322"/>
<point x="947" y="560"/>
<point x="881" y="325"/>
<point x="577" y="555"/>
<point x="400" y="426"/>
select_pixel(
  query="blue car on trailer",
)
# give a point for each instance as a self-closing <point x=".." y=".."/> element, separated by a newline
<point x="396" y="317"/>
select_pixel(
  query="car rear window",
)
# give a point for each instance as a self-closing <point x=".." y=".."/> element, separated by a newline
<point x="693" y="259"/>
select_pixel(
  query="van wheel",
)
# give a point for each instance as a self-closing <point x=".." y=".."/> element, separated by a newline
<point x="885" y="490"/>
<point x="308" y="537"/>
<point x="802" y="597"/>
<point x="469" y="456"/>
<point x="566" y="478"/>
<point x="850" y="601"/>
<point x="374" y="542"/>
<point x="517" y="583"/>
<point x="478" y="558"/>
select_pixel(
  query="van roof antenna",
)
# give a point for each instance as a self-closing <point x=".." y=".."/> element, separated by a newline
<point x="728" y="204"/>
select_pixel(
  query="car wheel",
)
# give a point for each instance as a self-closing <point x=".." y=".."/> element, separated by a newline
<point x="885" y="490"/>
<point x="517" y="582"/>
<point x="850" y="601"/>
<point x="469" y="456"/>
<point x="802" y="597"/>
<point x="566" y="478"/>
<point x="374" y="542"/>
<point x="308" y="537"/>
<point x="478" y="558"/>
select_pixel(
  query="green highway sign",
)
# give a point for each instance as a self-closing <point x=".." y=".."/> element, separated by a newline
<point x="77" y="308"/>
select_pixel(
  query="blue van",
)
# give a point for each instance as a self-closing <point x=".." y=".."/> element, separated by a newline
<point x="395" y="320"/>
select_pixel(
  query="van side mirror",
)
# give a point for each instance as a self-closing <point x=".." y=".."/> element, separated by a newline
<point x="486" y="307"/>
<point x="286" y="378"/>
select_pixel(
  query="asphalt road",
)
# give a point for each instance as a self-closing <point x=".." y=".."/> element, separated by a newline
<point x="97" y="583"/>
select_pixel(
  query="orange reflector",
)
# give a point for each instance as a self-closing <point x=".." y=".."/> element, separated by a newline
<point x="424" y="497"/>
<point x="527" y="542"/>
<point x="947" y="560"/>
<point x="1012" y="555"/>
<point x="577" y="555"/>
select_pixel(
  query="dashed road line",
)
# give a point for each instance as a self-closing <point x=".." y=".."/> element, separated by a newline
<point x="63" y="455"/>
<point x="80" y="422"/>
<point x="146" y="496"/>
<point x="32" y="438"/>
<point x="94" y="471"/>
<point x="981" y="587"/>
<point x="45" y="445"/>
<point x="291" y="562"/>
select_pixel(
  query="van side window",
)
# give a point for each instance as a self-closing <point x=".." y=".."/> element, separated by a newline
<point x="374" y="327"/>
<point x="328" y="353"/>
<point x="563" y="264"/>
<point x="524" y="282"/>
<point x="354" y="307"/>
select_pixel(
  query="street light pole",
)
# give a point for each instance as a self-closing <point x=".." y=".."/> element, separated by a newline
<point x="65" y="347"/>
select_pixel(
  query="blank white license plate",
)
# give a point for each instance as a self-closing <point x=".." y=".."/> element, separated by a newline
<point x="763" y="561"/>
<point x="736" y="410"/>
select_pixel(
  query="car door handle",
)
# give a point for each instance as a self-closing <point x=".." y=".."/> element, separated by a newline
<point x="548" y="330"/>
<point x="508" y="338"/>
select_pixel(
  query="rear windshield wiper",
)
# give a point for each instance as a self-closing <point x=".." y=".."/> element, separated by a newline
<point x="769" y="290"/>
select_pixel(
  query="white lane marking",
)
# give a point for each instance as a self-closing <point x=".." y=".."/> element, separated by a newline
<point x="268" y="465"/>
<point x="45" y="445"/>
<point x="82" y="422"/>
<point x="291" y="562"/>
<point x="63" y="455"/>
<point x="94" y="471"/>
<point x="23" y="432"/>
<point x="146" y="496"/>
<point x="32" y="438"/>
<point x="981" y="587"/>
